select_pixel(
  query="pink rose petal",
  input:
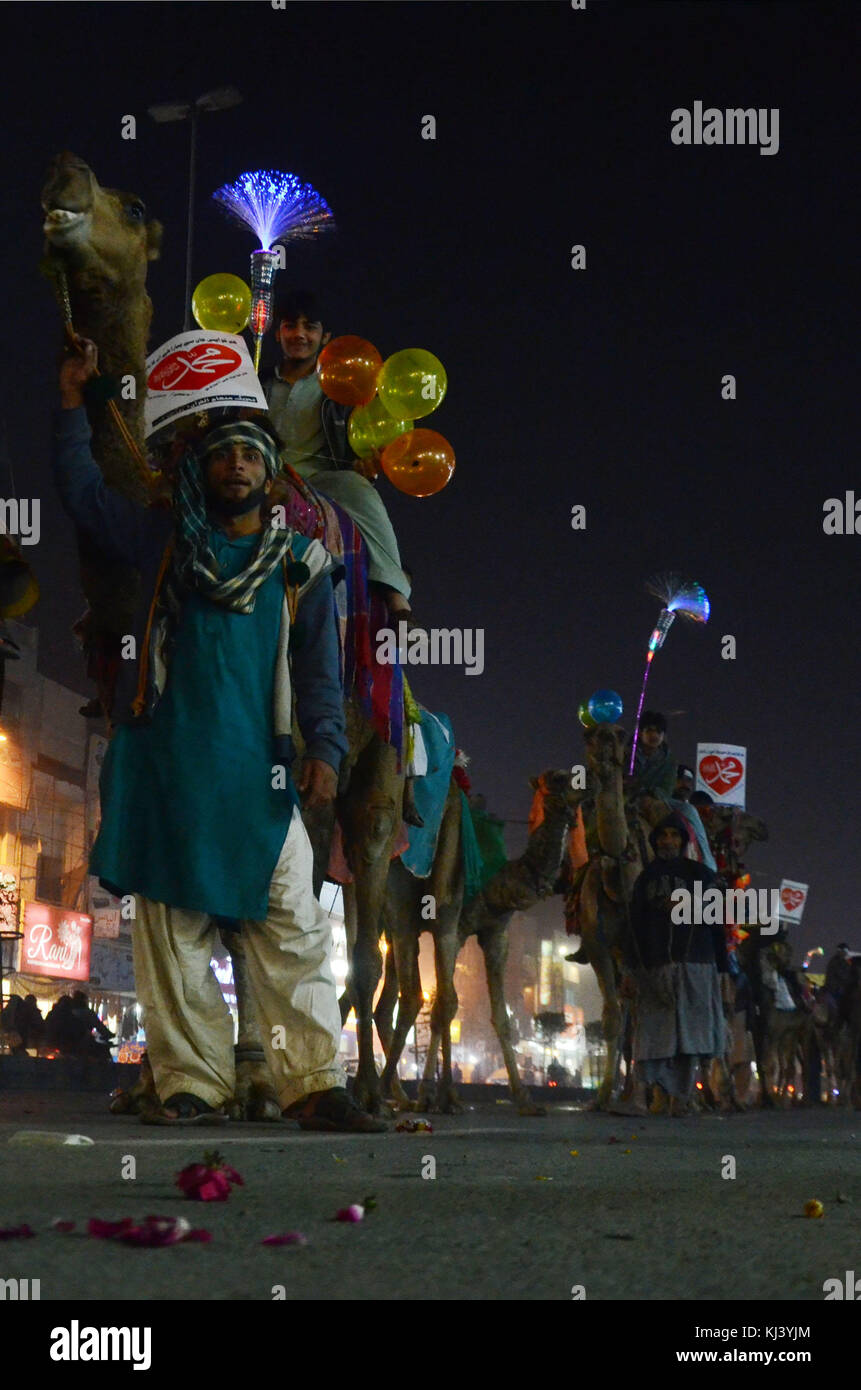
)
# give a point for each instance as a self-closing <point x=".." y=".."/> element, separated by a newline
<point x="288" y="1238"/>
<point x="208" y="1182"/>
<point x="158" y="1231"/>
<point x="353" y="1213"/>
<point x="22" y="1232"/>
<point x="108" y="1230"/>
<point x="59" y="1224"/>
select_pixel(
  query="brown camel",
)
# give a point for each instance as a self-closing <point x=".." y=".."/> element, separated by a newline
<point x="731" y="831"/>
<point x="103" y="242"/>
<point x="622" y="832"/>
<point x="514" y="888"/>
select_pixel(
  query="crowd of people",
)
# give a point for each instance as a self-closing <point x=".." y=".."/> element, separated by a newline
<point x="72" y="1028"/>
<point x="693" y="1001"/>
<point x="236" y="619"/>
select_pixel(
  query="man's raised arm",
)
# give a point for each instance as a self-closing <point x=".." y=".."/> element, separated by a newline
<point x="116" y="525"/>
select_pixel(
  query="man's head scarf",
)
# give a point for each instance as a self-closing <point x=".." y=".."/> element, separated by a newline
<point x="240" y="432"/>
<point x="194" y="564"/>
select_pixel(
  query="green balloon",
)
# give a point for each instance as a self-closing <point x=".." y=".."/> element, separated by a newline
<point x="412" y="383"/>
<point x="585" y="717"/>
<point x="371" y="427"/>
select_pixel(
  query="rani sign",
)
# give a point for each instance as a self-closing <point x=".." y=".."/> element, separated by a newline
<point x="56" y="942"/>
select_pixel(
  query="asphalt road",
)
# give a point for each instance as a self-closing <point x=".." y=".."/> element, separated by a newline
<point x="510" y="1214"/>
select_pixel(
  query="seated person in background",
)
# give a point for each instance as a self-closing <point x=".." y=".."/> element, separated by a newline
<point x="82" y="1023"/>
<point x="313" y="429"/>
<point x="654" y="774"/>
<point x="681" y="804"/>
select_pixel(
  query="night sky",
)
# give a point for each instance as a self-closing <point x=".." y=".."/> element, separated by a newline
<point x="600" y="387"/>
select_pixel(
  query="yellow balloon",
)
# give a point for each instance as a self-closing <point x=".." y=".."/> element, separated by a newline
<point x="222" y="302"/>
<point x="412" y="383"/>
<point x="371" y="427"/>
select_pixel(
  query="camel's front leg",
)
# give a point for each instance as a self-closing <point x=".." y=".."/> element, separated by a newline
<point x="384" y="1014"/>
<point x="254" y="1096"/>
<point x="611" y="1021"/>
<point x="426" y="1099"/>
<point x="370" y="822"/>
<point x="405" y="944"/>
<point x="445" y="1007"/>
<point x="494" y="944"/>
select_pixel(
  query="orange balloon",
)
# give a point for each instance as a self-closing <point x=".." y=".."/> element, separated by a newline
<point x="347" y="369"/>
<point x="419" y="463"/>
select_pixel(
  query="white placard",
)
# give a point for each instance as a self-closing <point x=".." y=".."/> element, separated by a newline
<point x="722" y="772"/>
<point x="793" y="897"/>
<point x="198" y="371"/>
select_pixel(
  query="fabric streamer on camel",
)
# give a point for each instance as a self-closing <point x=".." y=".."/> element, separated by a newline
<point x="361" y="612"/>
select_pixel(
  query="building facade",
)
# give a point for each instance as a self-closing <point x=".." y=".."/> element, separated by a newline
<point x="74" y="935"/>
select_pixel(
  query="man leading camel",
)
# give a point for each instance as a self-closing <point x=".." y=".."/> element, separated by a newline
<point x="200" y="813"/>
<point x="674" y="970"/>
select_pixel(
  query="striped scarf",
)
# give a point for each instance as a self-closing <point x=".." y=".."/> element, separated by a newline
<point x="193" y="564"/>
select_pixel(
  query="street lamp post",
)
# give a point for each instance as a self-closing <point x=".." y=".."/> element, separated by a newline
<point x="220" y="99"/>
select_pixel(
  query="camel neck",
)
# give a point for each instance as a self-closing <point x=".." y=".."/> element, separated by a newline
<point x="543" y="855"/>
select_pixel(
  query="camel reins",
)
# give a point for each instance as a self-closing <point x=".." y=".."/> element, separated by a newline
<point x="61" y="285"/>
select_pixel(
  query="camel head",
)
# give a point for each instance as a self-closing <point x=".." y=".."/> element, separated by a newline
<point x="605" y="752"/>
<point x="746" y="829"/>
<point x="736" y="828"/>
<point x="559" y="797"/>
<point x="97" y="232"/>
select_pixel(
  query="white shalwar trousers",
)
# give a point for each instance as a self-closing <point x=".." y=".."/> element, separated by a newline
<point x="188" y="1025"/>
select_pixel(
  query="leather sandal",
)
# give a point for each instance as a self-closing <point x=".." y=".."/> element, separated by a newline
<point x="334" y="1111"/>
<point x="191" y="1110"/>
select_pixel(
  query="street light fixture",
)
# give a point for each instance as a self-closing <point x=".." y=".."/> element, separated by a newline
<point x="219" y="99"/>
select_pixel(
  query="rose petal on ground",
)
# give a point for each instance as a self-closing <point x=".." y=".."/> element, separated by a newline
<point x="22" y="1232"/>
<point x="353" y="1213"/>
<point x="107" y="1230"/>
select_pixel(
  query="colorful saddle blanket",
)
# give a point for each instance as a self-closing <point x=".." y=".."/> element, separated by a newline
<point x="377" y="686"/>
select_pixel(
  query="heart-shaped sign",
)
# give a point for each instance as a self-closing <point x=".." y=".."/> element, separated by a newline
<point x="721" y="774"/>
<point x="791" y="898"/>
<point x="190" y="369"/>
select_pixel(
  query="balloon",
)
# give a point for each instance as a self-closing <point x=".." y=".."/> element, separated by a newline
<point x="605" y="707"/>
<point x="222" y="302"/>
<point x="585" y="717"/>
<point x="371" y="427"/>
<point x="419" y="463"/>
<point x="412" y="383"/>
<point x="347" y="370"/>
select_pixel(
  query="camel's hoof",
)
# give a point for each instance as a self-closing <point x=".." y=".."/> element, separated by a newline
<point x="264" y="1108"/>
<point x="367" y="1096"/>
<point x="255" y="1103"/>
<point x="449" y="1105"/>
<point x="398" y="1105"/>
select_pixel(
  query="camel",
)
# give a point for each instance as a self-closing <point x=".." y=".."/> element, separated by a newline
<point x="103" y="242"/>
<point x="730" y="832"/>
<point x="837" y="1024"/>
<point x="98" y="245"/>
<point x="622" y="831"/>
<point x="515" y="888"/>
<point x="789" y="1033"/>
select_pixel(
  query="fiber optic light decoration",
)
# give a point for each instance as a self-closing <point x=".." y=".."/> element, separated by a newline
<point x="275" y="206"/>
<point x="680" y="598"/>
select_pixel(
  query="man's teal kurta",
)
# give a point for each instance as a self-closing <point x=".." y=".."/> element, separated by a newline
<point x="189" y="813"/>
